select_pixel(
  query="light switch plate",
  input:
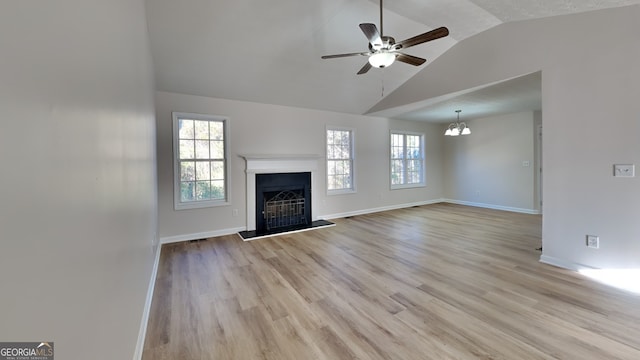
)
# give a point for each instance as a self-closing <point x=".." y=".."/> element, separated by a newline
<point x="624" y="170"/>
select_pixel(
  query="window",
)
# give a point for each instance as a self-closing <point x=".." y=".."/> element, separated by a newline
<point x="340" y="160"/>
<point x="407" y="160"/>
<point x="200" y="160"/>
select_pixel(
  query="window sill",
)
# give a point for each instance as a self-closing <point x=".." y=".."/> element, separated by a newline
<point x="200" y="205"/>
<point x="340" y="192"/>
<point x="408" y="186"/>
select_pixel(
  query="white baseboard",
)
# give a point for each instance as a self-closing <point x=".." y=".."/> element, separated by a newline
<point x="142" y="334"/>
<point x="550" y="260"/>
<point x="197" y="236"/>
<point x="230" y="231"/>
<point x="378" y="209"/>
<point x="491" y="206"/>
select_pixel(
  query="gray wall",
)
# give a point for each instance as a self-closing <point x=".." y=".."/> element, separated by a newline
<point x="269" y="129"/>
<point x="590" y="113"/>
<point x="78" y="193"/>
<point x="486" y="167"/>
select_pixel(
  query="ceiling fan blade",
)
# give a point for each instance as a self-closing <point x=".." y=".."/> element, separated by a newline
<point x="346" y="55"/>
<point x="372" y="34"/>
<point x="365" y="68"/>
<point x="410" y="59"/>
<point x="422" y="38"/>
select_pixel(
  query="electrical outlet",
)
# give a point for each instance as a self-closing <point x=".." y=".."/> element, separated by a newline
<point x="593" y="241"/>
<point x="235" y="212"/>
<point x="624" y="170"/>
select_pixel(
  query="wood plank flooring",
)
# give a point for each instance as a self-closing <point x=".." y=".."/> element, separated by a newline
<point x="433" y="282"/>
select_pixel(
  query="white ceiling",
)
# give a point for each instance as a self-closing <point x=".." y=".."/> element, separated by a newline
<point x="269" y="51"/>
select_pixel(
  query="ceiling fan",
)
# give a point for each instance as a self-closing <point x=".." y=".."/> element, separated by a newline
<point x="383" y="50"/>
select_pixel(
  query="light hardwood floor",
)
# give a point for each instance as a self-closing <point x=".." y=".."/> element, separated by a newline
<point x="432" y="282"/>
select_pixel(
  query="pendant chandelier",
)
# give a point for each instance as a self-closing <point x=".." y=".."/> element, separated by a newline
<point x="457" y="128"/>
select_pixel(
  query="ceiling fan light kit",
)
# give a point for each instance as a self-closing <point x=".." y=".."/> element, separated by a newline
<point x="384" y="51"/>
<point x="457" y="128"/>
<point x="382" y="59"/>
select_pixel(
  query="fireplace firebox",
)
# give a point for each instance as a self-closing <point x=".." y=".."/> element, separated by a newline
<point x="283" y="201"/>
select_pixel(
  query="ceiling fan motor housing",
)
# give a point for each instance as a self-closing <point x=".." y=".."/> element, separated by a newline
<point x="388" y="43"/>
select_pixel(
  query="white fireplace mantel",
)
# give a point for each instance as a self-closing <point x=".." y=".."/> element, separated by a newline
<point x="273" y="163"/>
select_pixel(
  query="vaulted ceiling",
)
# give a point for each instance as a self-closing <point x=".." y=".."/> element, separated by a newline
<point x="269" y="51"/>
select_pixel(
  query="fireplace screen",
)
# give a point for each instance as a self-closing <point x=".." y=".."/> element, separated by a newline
<point x="286" y="208"/>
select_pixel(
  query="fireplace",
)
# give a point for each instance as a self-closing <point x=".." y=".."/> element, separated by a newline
<point x="287" y="184"/>
<point x="283" y="201"/>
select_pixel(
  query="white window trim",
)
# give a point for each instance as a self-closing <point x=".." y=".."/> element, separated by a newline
<point x="423" y="183"/>
<point x="178" y="205"/>
<point x="352" y="190"/>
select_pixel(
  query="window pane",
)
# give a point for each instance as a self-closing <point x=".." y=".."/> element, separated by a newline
<point x="411" y="141"/>
<point x="186" y="149"/>
<point x="397" y="172"/>
<point x="346" y="182"/>
<point x="202" y="130"/>
<point x="217" y="149"/>
<point x="203" y="170"/>
<point x="186" y="129"/>
<point x="331" y="167"/>
<point x="202" y="149"/>
<point x="331" y="153"/>
<point x="203" y="190"/>
<point x="217" y="170"/>
<point x="217" y="189"/>
<point x="397" y="140"/>
<point x="398" y="166"/>
<point x="187" y="171"/>
<point x="216" y="129"/>
<point x="413" y="147"/>
<point x="330" y="137"/>
<point x="187" y="191"/>
<point x="418" y="165"/>
<point x="347" y="167"/>
<point x="397" y="153"/>
<point x="414" y="178"/>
